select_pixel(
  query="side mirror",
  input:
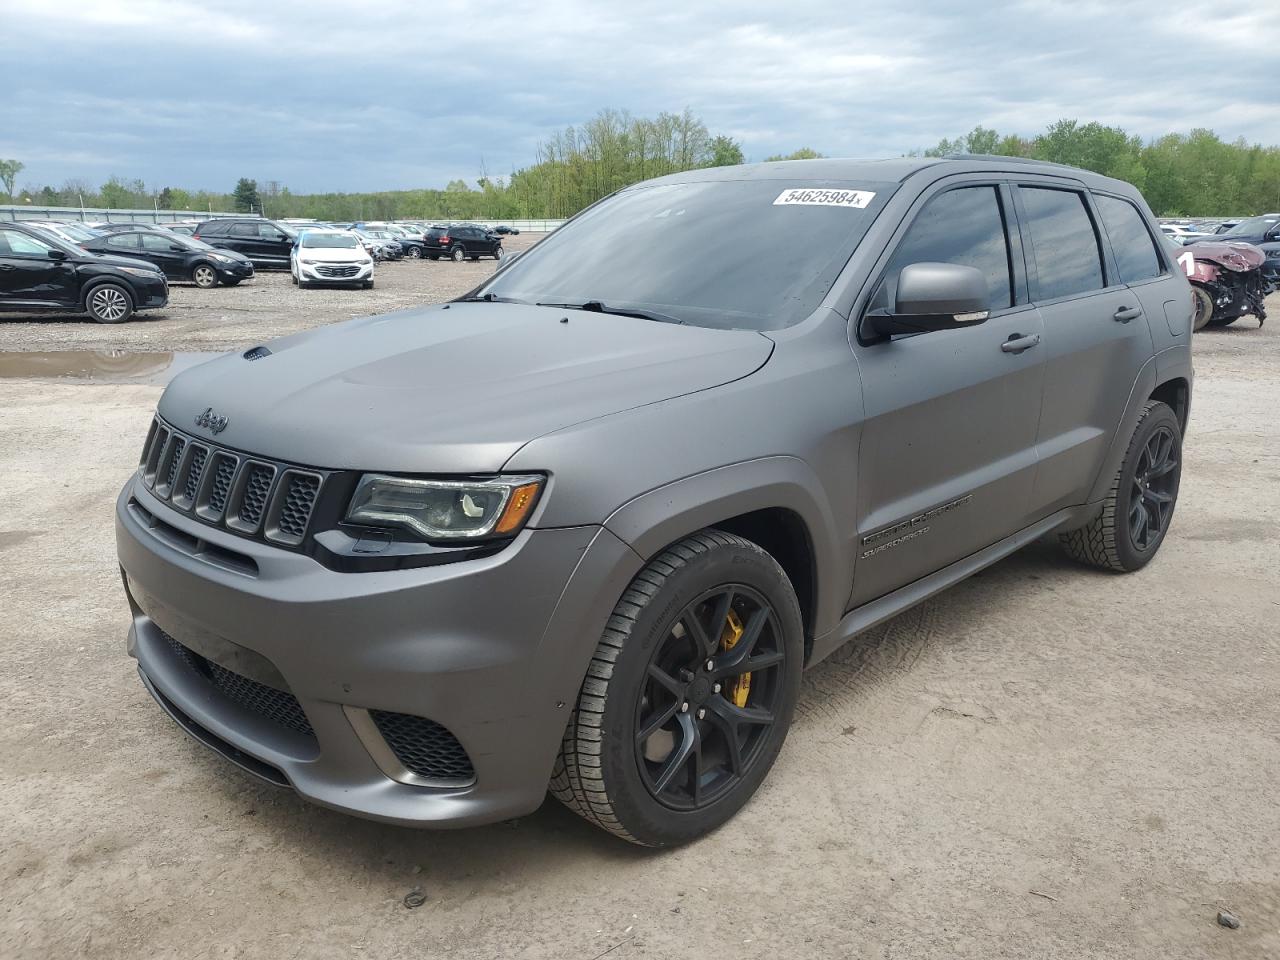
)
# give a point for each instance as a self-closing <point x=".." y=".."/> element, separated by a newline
<point x="57" y="255"/>
<point x="935" y="296"/>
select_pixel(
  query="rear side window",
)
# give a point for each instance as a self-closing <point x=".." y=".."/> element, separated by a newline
<point x="213" y="229"/>
<point x="1068" y="260"/>
<point x="963" y="226"/>
<point x="125" y="241"/>
<point x="1135" y="251"/>
<point x="244" y="230"/>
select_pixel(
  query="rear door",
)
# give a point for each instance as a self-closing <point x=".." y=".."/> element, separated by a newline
<point x="947" y="457"/>
<point x="1096" y="338"/>
<point x="243" y="238"/>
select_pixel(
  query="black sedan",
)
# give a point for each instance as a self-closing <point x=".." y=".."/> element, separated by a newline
<point x="503" y="230"/>
<point x="181" y="258"/>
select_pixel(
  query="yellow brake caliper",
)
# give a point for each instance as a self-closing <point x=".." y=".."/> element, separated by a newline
<point x="740" y="687"/>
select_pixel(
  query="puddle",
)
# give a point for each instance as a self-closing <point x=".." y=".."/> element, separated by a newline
<point x="100" y="366"/>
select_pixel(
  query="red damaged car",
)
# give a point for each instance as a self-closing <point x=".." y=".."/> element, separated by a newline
<point x="1227" y="281"/>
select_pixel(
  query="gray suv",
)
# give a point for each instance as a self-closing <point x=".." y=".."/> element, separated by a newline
<point x="582" y="529"/>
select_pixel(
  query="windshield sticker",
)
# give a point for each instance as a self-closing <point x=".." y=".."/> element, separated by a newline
<point x="857" y="199"/>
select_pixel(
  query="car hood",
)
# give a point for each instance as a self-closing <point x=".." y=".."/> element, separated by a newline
<point x="1234" y="254"/>
<point x="450" y="389"/>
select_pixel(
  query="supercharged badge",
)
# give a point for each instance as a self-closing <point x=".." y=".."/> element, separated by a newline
<point x="906" y="530"/>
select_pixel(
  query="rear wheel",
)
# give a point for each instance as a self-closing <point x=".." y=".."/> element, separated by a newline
<point x="204" y="275"/>
<point x="1139" y="506"/>
<point x="1204" y="308"/>
<point x="689" y="695"/>
<point x="109" y="303"/>
<point x="458" y="254"/>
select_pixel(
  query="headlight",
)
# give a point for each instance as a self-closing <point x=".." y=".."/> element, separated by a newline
<point x="445" y="509"/>
<point x="222" y="258"/>
<point x="306" y="261"/>
<point x="140" y="272"/>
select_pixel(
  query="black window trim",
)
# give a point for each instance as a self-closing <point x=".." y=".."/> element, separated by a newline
<point x="1019" y="279"/>
<point x="1110" y="276"/>
<point x="1163" y="254"/>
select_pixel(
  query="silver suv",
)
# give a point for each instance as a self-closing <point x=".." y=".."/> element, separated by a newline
<point x="582" y="529"/>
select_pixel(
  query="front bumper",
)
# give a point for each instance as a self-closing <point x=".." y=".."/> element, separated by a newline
<point x="234" y="271"/>
<point x="149" y="294"/>
<point x="493" y="649"/>
<point x="314" y="272"/>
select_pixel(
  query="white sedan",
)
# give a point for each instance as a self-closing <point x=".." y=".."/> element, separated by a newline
<point x="330" y="256"/>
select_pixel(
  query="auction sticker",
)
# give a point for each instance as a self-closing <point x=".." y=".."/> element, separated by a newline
<point x="805" y="197"/>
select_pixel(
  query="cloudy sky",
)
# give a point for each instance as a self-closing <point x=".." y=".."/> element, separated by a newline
<point x="380" y="94"/>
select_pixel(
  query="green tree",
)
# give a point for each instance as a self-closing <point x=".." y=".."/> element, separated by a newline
<point x="9" y="170"/>
<point x="804" y="153"/>
<point x="245" y="197"/>
<point x="115" y="194"/>
<point x="724" y="152"/>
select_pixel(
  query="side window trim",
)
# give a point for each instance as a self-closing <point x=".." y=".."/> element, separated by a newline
<point x="1104" y="253"/>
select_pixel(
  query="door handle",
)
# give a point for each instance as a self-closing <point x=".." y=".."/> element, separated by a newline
<point x="1017" y="343"/>
<point x="7" y="266"/>
<point x="1125" y="314"/>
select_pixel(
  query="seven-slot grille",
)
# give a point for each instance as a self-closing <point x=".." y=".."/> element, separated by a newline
<point x="247" y="495"/>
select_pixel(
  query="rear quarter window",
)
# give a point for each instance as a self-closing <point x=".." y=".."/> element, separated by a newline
<point x="1131" y="242"/>
<point x="1063" y="241"/>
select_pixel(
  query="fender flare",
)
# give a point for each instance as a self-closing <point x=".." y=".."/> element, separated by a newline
<point x="1143" y="385"/>
<point x="654" y="520"/>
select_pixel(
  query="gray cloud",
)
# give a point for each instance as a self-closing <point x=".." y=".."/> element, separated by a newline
<point x="330" y="95"/>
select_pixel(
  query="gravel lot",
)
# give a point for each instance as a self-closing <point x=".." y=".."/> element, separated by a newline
<point x="263" y="308"/>
<point x="1045" y="761"/>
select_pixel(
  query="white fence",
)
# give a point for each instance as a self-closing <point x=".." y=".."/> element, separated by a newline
<point x="29" y="211"/>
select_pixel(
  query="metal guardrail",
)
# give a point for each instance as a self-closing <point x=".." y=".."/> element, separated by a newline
<point x="29" y="211"/>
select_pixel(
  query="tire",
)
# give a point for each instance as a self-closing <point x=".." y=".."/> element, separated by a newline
<point x="232" y="283"/>
<point x="109" y="303"/>
<point x="1204" y="308"/>
<point x="497" y="254"/>
<point x="458" y="254"/>
<point x="367" y="285"/>
<point x="1118" y="539"/>
<point x="204" y="276"/>
<point x="604" y="774"/>
<point x="414" y="253"/>
<point x="294" y="277"/>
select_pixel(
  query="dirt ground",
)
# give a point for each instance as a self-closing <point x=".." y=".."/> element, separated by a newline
<point x="1043" y="762"/>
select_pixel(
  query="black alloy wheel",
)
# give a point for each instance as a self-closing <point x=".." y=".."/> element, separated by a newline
<point x="710" y="696"/>
<point x="1155" y="487"/>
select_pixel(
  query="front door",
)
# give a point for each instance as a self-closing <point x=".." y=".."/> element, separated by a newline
<point x="160" y="250"/>
<point x="947" y="457"/>
<point x="33" y="272"/>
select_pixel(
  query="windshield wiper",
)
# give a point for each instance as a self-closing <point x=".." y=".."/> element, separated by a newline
<point x="489" y="298"/>
<point x="596" y="306"/>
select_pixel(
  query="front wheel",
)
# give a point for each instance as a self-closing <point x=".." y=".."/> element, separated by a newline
<point x="497" y="254"/>
<point x="688" y="696"/>
<point x="110" y="303"/>
<point x="204" y="275"/>
<point x="1139" y="506"/>
<point x="414" y="253"/>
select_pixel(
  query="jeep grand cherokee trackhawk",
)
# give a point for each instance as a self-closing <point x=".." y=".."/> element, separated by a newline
<point x="583" y="528"/>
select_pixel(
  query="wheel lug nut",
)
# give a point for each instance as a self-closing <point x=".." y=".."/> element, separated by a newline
<point x="711" y="664"/>
<point x="716" y="688"/>
<point x="701" y="713"/>
<point x="684" y="707"/>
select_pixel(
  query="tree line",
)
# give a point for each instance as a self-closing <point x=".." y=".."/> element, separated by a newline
<point x="1192" y="174"/>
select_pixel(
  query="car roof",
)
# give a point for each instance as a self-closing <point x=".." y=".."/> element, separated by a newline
<point x="897" y="169"/>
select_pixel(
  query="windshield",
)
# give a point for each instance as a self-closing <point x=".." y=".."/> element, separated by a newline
<point x="1251" y="227"/>
<point x="329" y="241"/>
<point x="755" y="254"/>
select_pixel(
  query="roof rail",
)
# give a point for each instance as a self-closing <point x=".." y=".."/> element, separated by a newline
<point x="1004" y="159"/>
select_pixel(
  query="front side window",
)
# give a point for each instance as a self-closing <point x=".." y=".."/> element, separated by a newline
<point x="1253" y="227"/>
<point x="159" y="243"/>
<point x="1068" y="260"/>
<point x="11" y="241"/>
<point x="1135" y="252"/>
<point x="963" y="226"/>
